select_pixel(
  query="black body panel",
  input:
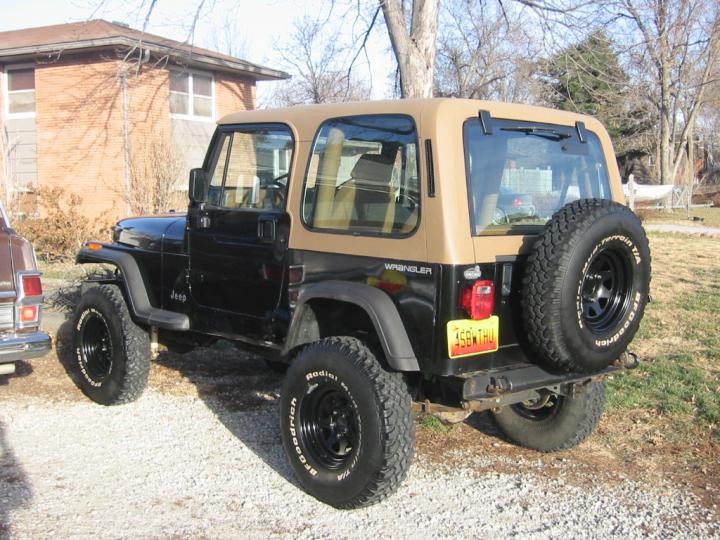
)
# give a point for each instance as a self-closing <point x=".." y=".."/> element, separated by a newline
<point x="411" y="285"/>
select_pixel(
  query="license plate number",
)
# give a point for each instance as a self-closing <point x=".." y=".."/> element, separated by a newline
<point x="467" y="337"/>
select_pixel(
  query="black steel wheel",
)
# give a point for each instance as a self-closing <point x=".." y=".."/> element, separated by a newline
<point x="553" y="422"/>
<point x="607" y="289"/>
<point x="346" y="423"/>
<point x="539" y="409"/>
<point x="95" y="347"/>
<point x="112" y="353"/>
<point x="328" y="424"/>
<point x="586" y="284"/>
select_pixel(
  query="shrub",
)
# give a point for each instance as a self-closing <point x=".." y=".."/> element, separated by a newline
<point x="63" y="227"/>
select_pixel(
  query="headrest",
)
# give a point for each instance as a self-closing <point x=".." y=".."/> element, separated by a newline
<point x="373" y="169"/>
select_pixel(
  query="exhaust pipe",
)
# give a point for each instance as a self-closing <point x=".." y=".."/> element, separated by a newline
<point x="7" y="369"/>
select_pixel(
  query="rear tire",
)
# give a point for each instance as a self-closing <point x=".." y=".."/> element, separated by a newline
<point x="347" y="425"/>
<point x="559" y="423"/>
<point x="111" y="353"/>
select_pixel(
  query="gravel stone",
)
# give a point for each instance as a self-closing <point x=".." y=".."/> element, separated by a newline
<point x="179" y="466"/>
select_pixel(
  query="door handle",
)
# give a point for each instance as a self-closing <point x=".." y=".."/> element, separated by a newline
<point x="266" y="229"/>
<point x="202" y="220"/>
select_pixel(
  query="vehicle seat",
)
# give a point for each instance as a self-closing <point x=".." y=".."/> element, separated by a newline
<point x="367" y="200"/>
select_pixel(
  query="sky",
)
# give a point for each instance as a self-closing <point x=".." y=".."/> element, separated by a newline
<point x="254" y="27"/>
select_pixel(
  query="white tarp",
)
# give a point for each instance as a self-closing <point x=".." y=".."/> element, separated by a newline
<point x="645" y="192"/>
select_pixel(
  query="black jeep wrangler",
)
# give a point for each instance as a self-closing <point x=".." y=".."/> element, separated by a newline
<point x="462" y="255"/>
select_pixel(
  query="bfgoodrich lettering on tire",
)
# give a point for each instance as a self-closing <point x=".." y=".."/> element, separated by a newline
<point x="586" y="285"/>
<point x="111" y="353"/>
<point x="347" y="427"/>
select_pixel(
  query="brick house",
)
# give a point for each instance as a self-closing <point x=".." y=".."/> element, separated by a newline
<point x="94" y="106"/>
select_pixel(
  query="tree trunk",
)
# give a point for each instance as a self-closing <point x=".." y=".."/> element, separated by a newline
<point x="414" y="49"/>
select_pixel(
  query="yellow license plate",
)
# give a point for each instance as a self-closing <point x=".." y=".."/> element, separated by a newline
<point x="467" y="337"/>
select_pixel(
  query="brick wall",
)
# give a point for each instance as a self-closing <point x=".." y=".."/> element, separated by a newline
<point x="79" y="106"/>
<point x="233" y="94"/>
<point x="80" y="123"/>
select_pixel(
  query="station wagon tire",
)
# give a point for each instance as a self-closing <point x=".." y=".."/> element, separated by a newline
<point x="555" y="422"/>
<point x="347" y="425"/>
<point x="111" y="358"/>
<point x="586" y="285"/>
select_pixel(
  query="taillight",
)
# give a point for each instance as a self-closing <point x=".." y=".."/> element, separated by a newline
<point x="29" y="314"/>
<point x="478" y="301"/>
<point x="517" y="202"/>
<point x="32" y="286"/>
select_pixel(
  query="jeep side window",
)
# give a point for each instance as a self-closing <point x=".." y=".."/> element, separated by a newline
<point x="363" y="176"/>
<point x="251" y="171"/>
<point x="522" y="173"/>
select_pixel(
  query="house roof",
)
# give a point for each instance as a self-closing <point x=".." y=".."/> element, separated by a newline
<point x="28" y="43"/>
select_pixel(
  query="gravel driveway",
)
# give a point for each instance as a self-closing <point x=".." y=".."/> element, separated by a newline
<point x="199" y="455"/>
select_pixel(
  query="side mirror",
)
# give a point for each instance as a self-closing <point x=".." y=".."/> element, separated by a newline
<point x="198" y="185"/>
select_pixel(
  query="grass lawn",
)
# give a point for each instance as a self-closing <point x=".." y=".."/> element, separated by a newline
<point x="710" y="216"/>
<point x="679" y="340"/>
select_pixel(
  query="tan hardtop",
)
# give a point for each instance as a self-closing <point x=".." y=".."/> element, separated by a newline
<point x="305" y="118"/>
<point x="444" y="234"/>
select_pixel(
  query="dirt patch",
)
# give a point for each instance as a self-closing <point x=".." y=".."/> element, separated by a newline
<point x="630" y="447"/>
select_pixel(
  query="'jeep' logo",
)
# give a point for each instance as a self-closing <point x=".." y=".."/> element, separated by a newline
<point x="412" y="269"/>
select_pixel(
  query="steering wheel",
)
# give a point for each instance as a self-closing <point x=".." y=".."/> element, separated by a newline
<point x="278" y="188"/>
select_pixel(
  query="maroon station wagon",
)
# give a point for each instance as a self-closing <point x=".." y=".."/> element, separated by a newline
<point x="21" y="298"/>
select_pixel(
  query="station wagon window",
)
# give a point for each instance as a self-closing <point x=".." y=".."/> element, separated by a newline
<point x="523" y="172"/>
<point x="363" y="176"/>
<point x="21" y="91"/>
<point x="191" y="95"/>
<point x="251" y="170"/>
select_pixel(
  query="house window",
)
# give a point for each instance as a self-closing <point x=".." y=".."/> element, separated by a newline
<point x="191" y="95"/>
<point x="21" y="91"/>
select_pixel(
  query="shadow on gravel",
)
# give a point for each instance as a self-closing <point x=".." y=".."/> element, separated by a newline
<point x="484" y="423"/>
<point x="15" y="490"/>
<point x="63" y="346"/>
<point x="242" y="392"/>
<point x="22" y="369"/>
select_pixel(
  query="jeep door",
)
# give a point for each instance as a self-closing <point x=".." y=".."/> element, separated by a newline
<point x="238" y="237"/>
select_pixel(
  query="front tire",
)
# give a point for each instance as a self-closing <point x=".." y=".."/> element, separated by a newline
<point x="554" y="422"/>
<point x="111" y="353"/>
<point x="347" y="425"/>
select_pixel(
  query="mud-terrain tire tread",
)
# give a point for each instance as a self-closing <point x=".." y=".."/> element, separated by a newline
<point x="540" y="290"/>
<point x="135" y="347"/>
<point x="570" y="432"/>
<point x="398" y="426"/>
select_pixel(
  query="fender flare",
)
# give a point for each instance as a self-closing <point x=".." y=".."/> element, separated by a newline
<point x="376" y="303"/>
<point x="134" y="288"/>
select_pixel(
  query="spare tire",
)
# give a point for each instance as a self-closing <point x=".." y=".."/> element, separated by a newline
<point x="586" y="285"/>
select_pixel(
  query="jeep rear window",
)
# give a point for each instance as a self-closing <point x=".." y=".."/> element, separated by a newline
<point x="363" y="176"/>
<point x="523" y="172"/>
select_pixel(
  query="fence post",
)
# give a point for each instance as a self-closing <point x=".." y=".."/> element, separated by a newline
<point x="631" y="192"/>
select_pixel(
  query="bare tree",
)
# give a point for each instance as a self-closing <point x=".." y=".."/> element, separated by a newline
<point x="318" y="61"/>
<point x="677" y="48"/>
<point x="155" y="168"/>
<point x="413" y="38"/>
<point x="485" y="52"/>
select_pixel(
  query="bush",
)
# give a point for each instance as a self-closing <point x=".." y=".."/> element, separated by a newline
<point x="63" y="227"/>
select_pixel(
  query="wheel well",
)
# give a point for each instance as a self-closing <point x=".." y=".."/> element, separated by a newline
<point x="323" y="317"/>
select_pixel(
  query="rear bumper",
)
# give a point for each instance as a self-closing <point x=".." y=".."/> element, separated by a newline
<point x="507" y="386"/>
<point x="24" y="346"/>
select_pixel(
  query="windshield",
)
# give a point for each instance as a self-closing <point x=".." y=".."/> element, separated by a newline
<point x="523" y="172"/>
